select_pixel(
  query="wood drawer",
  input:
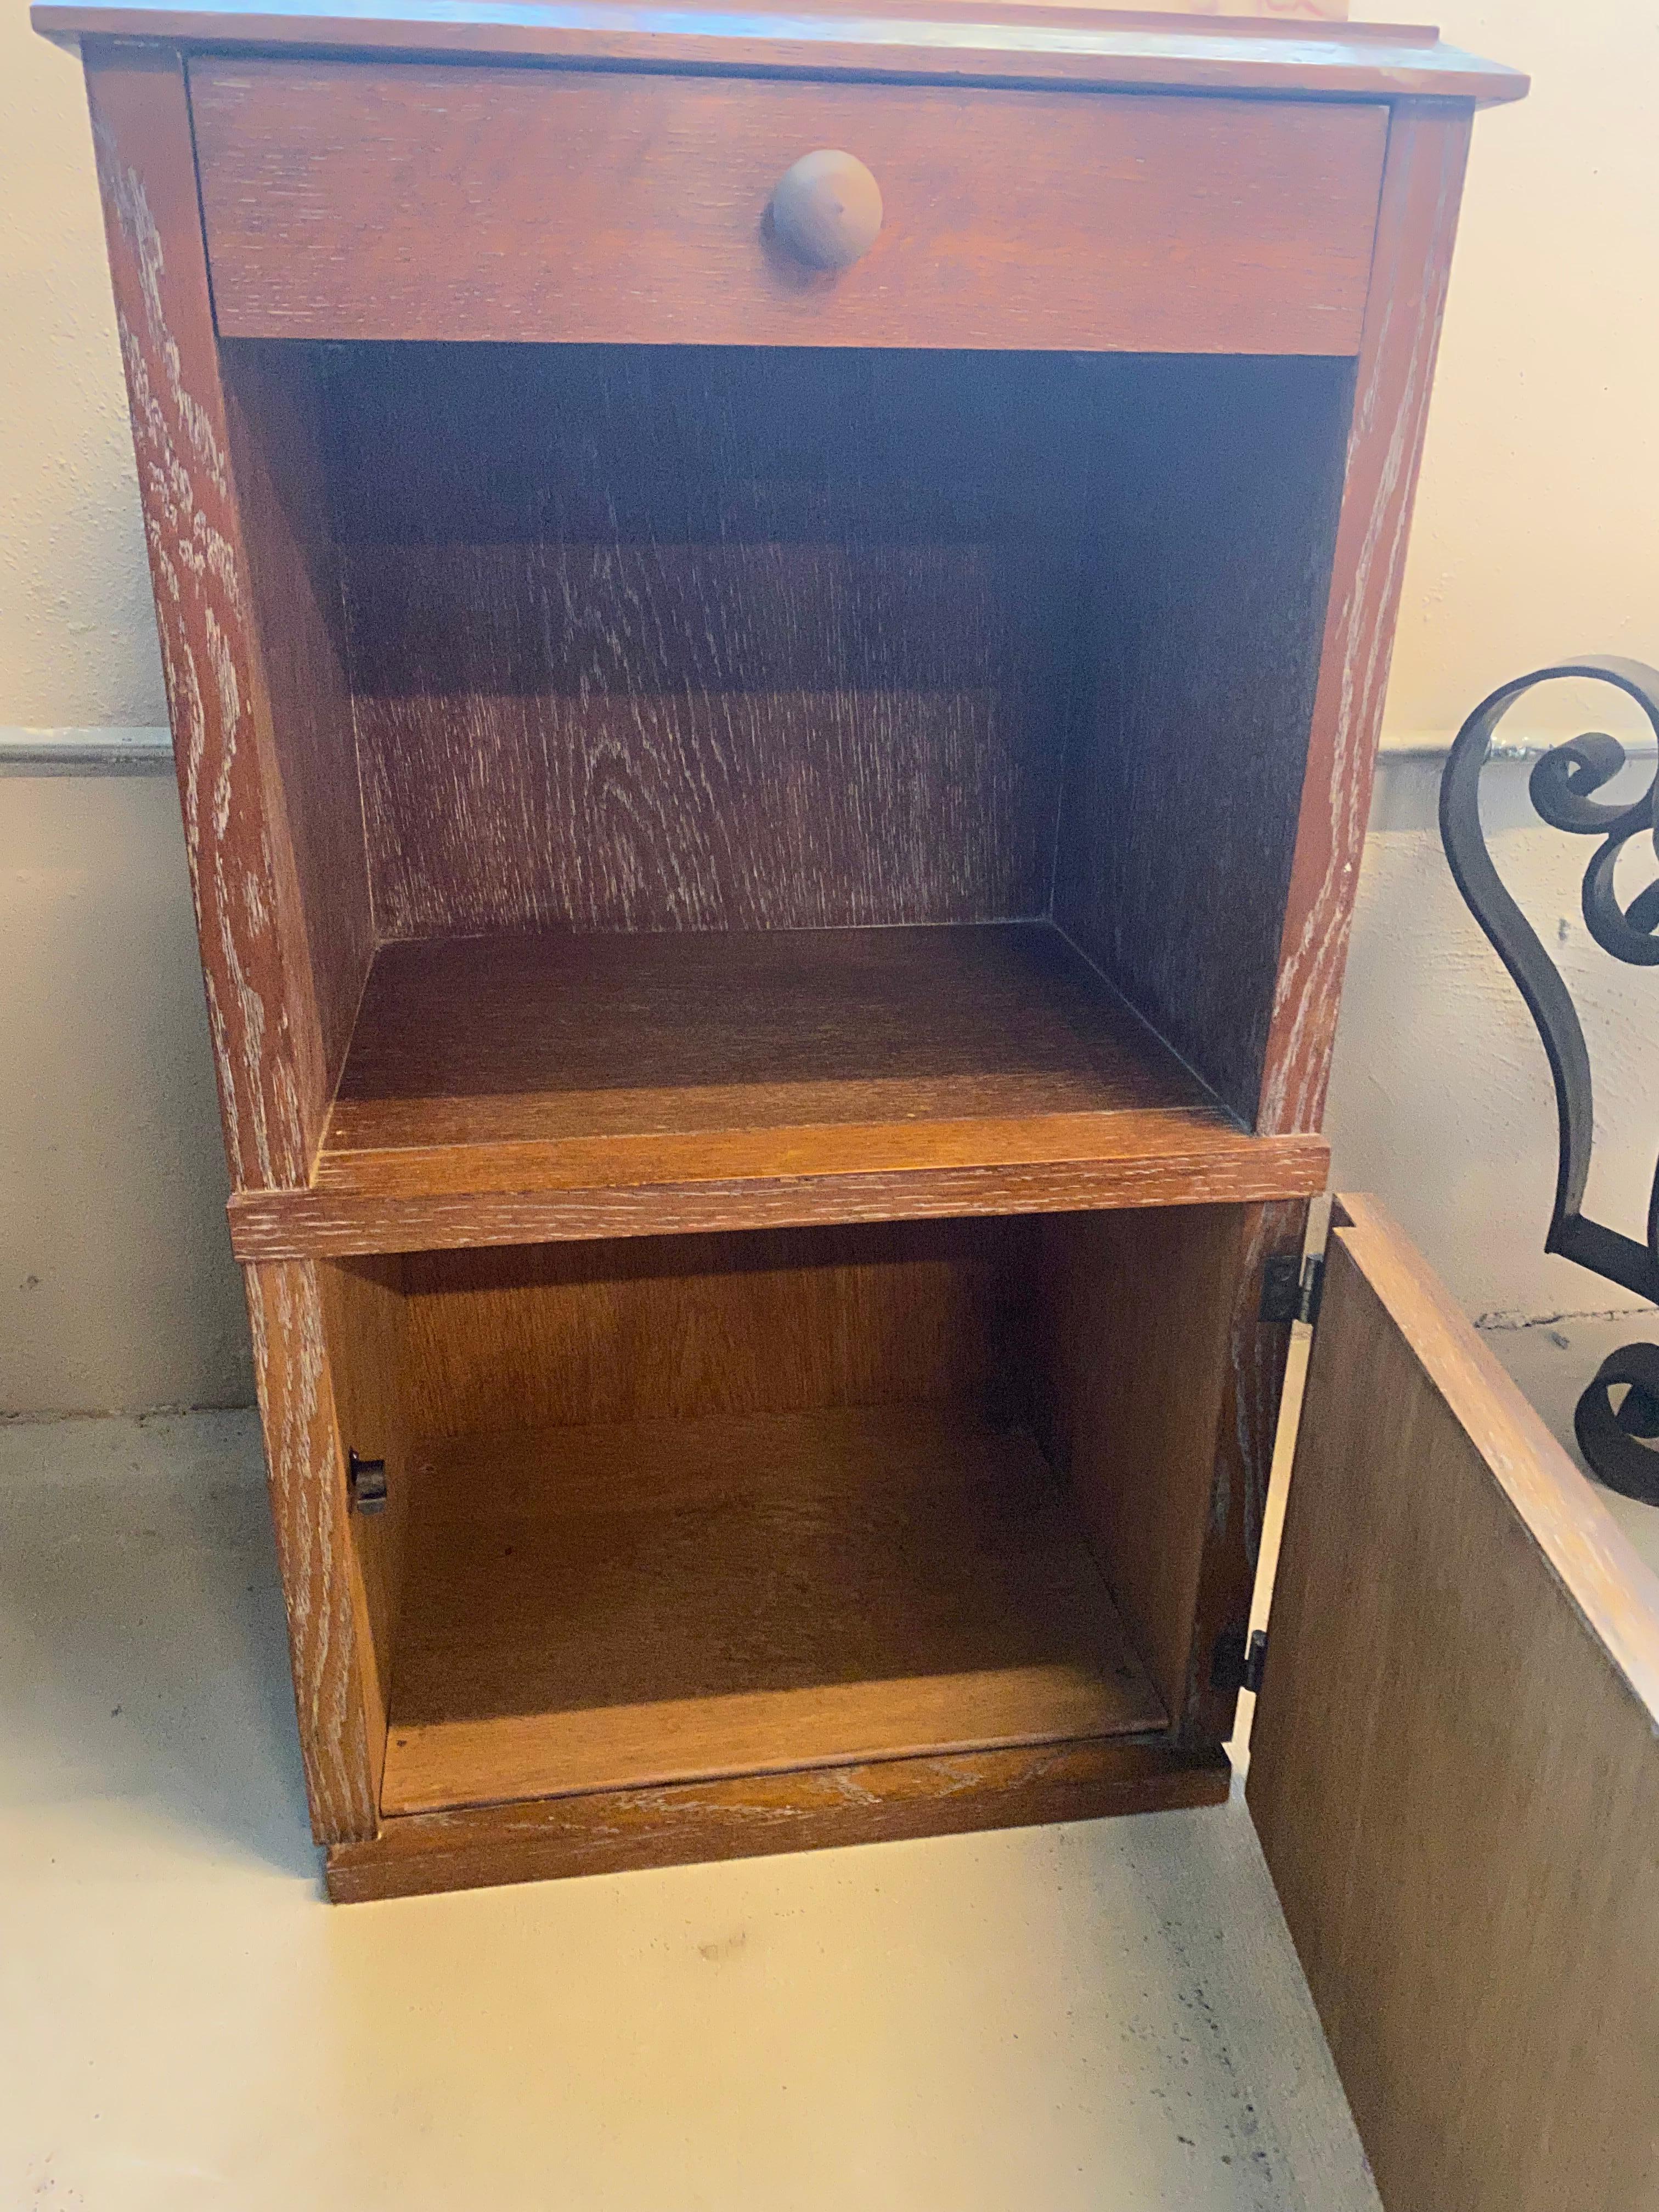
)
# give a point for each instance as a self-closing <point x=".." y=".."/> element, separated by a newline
<point x="356" y="201"/>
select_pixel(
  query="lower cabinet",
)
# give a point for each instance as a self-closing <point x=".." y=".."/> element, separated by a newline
<point x="708" y="1546"/>
<point x="698" y="1546"/>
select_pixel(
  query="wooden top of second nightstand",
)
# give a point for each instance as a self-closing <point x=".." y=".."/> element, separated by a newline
<point x="999" y="41"/>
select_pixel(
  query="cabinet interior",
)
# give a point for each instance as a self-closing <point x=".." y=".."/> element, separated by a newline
<point x="720" y="766"/>
<point x="625" y="643"/>
<point x="666" y="1508"/>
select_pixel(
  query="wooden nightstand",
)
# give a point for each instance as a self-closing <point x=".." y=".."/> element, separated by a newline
<point x="773" y="783"/>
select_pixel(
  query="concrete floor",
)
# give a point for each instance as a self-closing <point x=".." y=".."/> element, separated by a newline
<point x="1107" y="2015"/>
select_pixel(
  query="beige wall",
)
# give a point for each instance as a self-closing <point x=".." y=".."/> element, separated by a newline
<point x="78" y="641"/>
<point x="1538" y="534"/>
<point x="1537" y="531"/>
<point x="117" y="1287"/>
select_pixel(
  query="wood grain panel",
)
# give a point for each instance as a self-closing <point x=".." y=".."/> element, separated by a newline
<point x="1134" y="1163"/>
<point x="1216" y="488"/>
<point x="274" y="418"/>
<point x="1130" y="1343"/>
<point x="480" y="1042"/>
<point x="944" y="39"/>
<point x="494" y="1094"/>
<point x="1454" y="1765"/>
<point x="609" y="1608"/>
<point x="407" y="203"/>
<point x="1428" y="147"/>
<point x="653" y="1328"/>
<point x="365" y="1312"/>
<point x="666" y="638"/>
<point x="328" y="1621"/>
<point x="269" y="1052"/>
<point x="812" y="1810"/>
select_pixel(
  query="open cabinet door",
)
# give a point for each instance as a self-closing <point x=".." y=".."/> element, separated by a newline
<point x="1455" y="1765"/>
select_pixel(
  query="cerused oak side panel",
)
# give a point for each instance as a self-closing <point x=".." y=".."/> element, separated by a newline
<point x="1215" y="491"/>
<point x="280" y="1002"/>
<point x="341" y="1722"/>
<point x="274" y="407"/>
<point x="1422" y="182"/>
<point x="364" y="1316"/>
<point x="1129" y="1347"/>
<point x="266" y="1052"/>
<point x="1422" y="187"/>
<point x="404" y="202"/>
<point x="1455" y="1765"/>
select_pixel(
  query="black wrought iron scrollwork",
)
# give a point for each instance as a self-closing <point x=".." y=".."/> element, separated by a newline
<point x="1563" y="789"/>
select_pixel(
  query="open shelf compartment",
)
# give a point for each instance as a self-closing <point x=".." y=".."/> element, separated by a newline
<point x="710" y="770"/>
<point x="714" y="1069"/>
<point x="614" y="1607"/>
<point x="669" y="1511"/>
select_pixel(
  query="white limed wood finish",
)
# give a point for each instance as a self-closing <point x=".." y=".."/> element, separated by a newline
<point x="342" y="1720"/>
<point x="1422" y="191"/>
<point x="327" y="601"/>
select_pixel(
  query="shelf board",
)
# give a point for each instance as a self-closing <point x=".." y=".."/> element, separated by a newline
<point x="511" y="1089"/>
<point x="615" y="1608"/>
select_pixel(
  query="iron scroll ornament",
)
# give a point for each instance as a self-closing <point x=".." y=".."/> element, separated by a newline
<point x="1561" y="789"/>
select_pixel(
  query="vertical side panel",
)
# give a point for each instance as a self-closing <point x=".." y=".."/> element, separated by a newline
<point x="1131" y="1358"/>
<point x="1428" y="147"/>
<point x="366" y="1319"/>
<point x="273" y="1049"/>
<point x="1422" y="187"/>
<point x="274" y="412"/>
<point x="1455" y="1768"/>
<point x="327" y="1614"/>
<point x="1218" y="484"/>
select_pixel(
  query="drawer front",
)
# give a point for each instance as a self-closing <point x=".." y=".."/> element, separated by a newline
<point x="349" y="200"/>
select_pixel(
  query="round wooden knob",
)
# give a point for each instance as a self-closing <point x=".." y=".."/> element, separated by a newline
<point x="827" y="209"/>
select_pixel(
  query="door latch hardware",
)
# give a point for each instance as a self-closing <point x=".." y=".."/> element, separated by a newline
<point x="367" y="1478"/>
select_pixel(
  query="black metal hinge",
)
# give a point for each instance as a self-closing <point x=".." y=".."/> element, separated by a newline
<point x="1290" y="1288"/>
<point x="367" y="1480"/>
<point x="1237" y="1663"/>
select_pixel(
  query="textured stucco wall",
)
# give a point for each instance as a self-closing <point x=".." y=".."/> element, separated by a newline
<point x="1536" y="537"/>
